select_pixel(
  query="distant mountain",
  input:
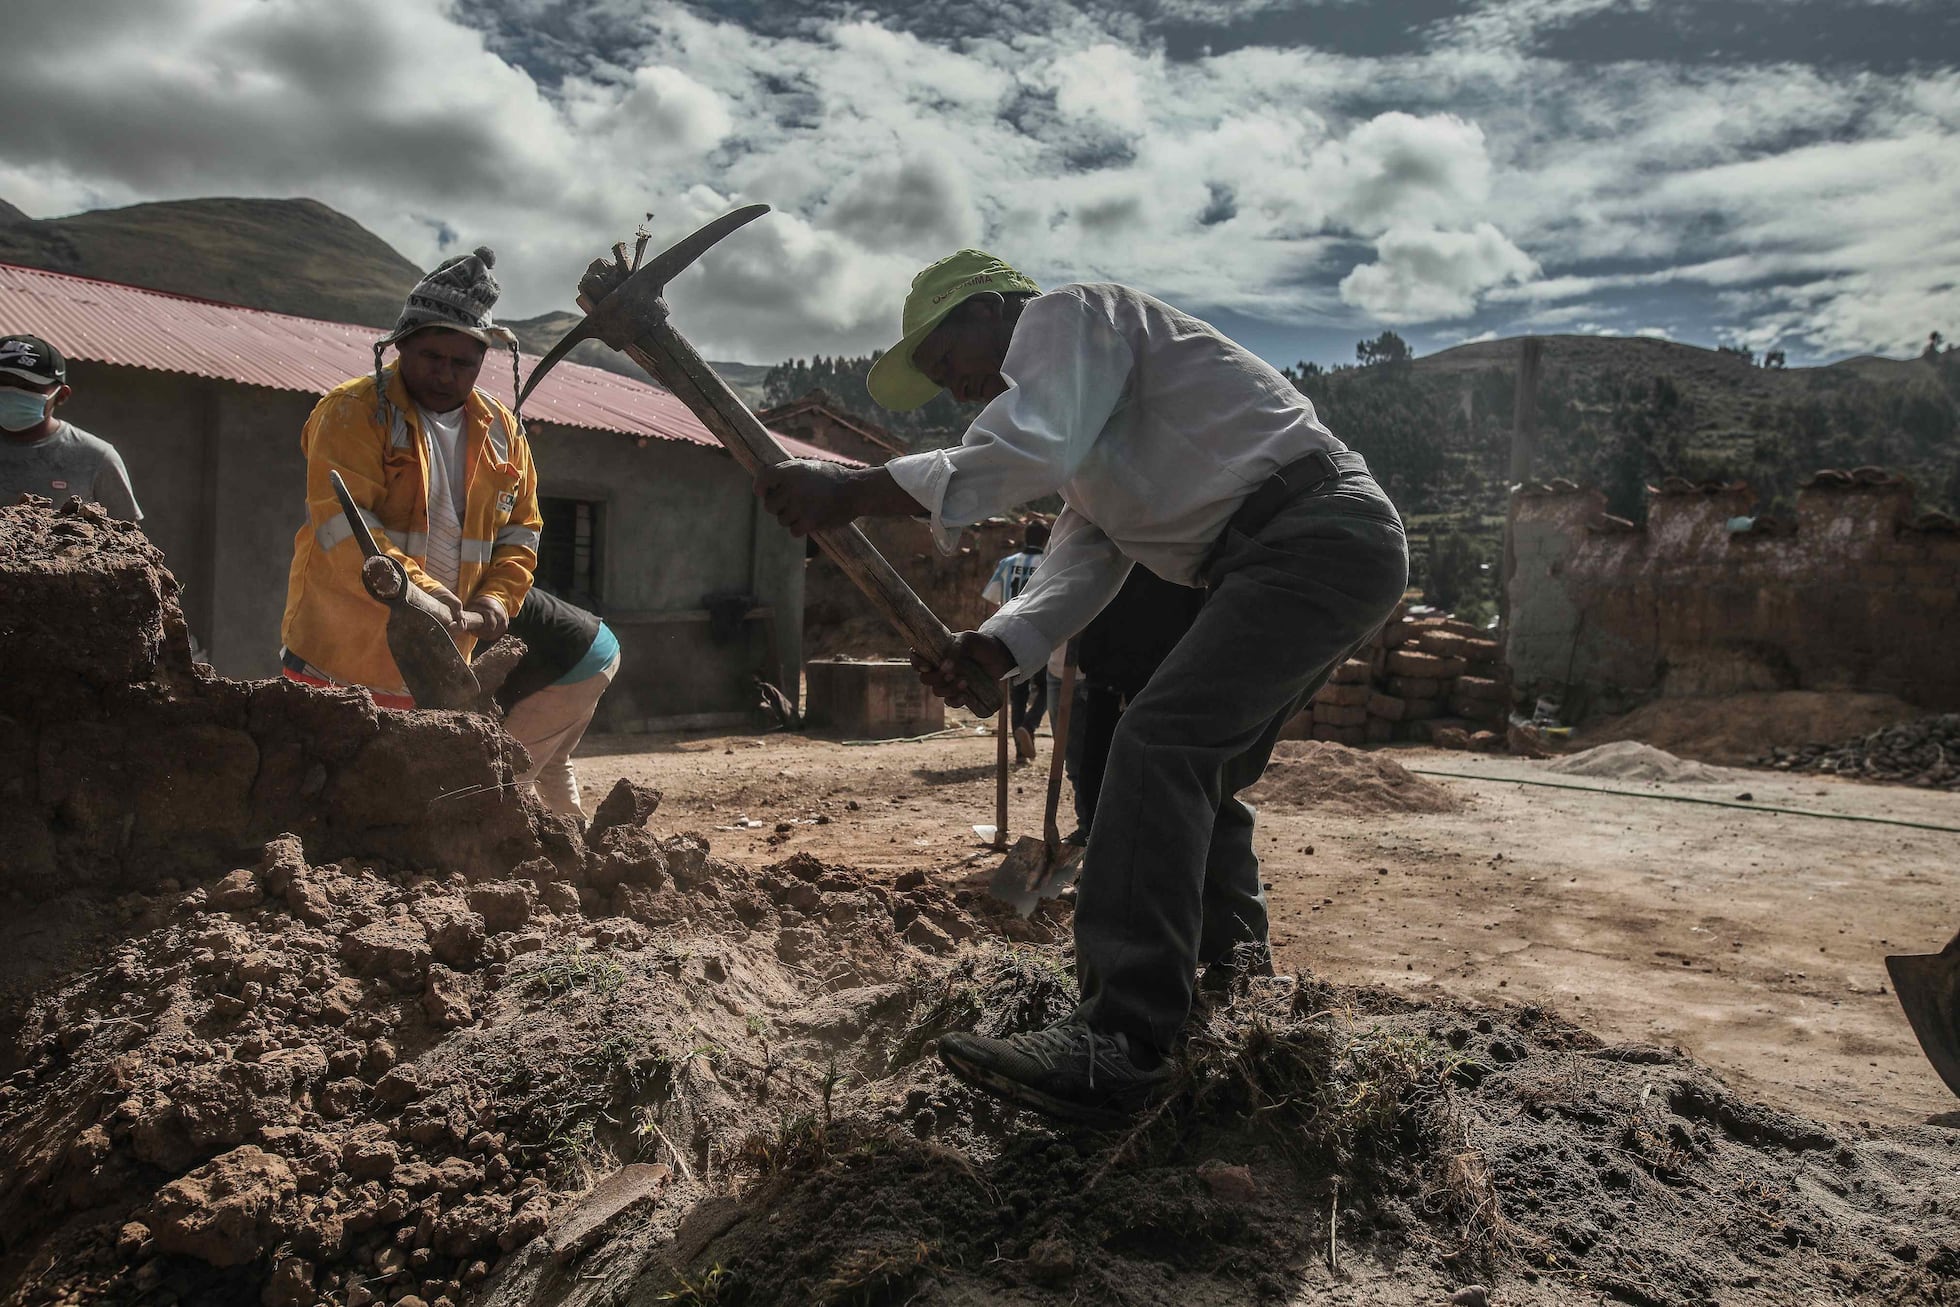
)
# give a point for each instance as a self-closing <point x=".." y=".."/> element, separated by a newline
<point x="289" y="256"/>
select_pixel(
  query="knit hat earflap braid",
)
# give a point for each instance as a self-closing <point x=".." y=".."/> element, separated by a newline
<point x="457" y="296"/>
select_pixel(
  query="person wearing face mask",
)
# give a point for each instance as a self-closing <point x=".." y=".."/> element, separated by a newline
<point x="39" y="453"/>
<point x="441" y="474"/>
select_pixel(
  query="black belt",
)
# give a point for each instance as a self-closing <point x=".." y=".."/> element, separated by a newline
<point x="1301" y="477"/>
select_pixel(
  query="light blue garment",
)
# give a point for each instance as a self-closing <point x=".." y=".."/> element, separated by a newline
<point x="21" y="409"/>
<point x="605" y="646"/>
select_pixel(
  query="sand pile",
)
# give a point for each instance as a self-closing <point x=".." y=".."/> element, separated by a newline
<point x="1331" y="776"/>
<point x="1629" y="760"/>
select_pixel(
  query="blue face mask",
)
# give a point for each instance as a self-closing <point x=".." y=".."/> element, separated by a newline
<point x="21" y="409"/>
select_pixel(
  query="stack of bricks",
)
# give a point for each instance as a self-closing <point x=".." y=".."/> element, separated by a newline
<point x="1429" y="679"/>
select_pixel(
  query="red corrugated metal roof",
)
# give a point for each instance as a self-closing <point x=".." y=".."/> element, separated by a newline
<point x="108" y="322"/>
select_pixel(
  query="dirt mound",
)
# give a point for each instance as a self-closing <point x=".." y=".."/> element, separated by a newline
<point x="122" y="765"/>
<point x="1923" y="752"/>
<point x="311" y="1081"/>
<point x="475" y="1056"/>
<point x="1737" y="728"/>
<point x="1629" y="760"/>
<point x="688" y="1080"/>
<point x="1329" y="775"/>
<point x="1321" y="1142"/>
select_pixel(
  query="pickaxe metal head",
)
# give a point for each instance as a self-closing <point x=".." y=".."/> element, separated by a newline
<point x="637" y="299"/>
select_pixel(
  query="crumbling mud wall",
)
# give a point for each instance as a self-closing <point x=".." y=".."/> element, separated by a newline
<point x="1853" y="592"/>
<point x="838" y="619"/>
<point x="122" y="764"/>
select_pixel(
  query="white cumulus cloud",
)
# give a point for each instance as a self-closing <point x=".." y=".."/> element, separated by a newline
<point x="1428" y="275"/>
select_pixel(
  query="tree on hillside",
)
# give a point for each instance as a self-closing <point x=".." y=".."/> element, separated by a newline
<point x="843" y="379"/>
<point x="1385" y="348"/>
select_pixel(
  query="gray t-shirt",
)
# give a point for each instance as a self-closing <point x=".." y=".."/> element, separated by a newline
<point x="67" y="462"/>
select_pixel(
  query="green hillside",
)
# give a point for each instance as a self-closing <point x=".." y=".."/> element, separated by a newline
<point x="291" y="256"/>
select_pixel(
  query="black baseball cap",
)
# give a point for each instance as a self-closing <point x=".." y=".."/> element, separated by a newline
<point x="32" y="359"/>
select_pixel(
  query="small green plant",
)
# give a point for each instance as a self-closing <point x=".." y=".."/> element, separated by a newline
<point x="575" y="966"/>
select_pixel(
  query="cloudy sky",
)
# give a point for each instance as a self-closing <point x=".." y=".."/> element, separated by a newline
<point x="1775" y="173"/>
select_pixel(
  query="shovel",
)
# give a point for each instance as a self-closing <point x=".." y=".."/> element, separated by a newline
<point x="431" y="666"/>
<point x="1928" y="986"/>
<point x="1033" y="869"/>
<point x="996" y="834"/>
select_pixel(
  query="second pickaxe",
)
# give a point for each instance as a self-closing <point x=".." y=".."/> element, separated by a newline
<point x="627" y="309"/>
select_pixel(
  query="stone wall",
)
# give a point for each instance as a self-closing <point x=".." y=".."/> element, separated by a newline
<point x="1854" y="592"/>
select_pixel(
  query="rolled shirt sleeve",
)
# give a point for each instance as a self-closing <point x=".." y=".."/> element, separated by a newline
<point x="1066" y="370"/>
<point x="1080" y="574"/>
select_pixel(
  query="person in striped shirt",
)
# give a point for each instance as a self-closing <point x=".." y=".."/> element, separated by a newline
<point x="1011" y="576"/>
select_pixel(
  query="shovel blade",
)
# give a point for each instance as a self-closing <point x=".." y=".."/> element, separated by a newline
<point x="1027" y="875"/>
<point x="1928" y="986"/>
<point x="431" y="667"/>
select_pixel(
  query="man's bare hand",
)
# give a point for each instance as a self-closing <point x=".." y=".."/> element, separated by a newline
<point x="492" y="620"/>
<point x="807" y="495"/>
<point x="972" y="654"/>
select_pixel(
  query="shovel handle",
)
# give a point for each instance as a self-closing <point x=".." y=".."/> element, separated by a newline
<point x="1001" y="731"/>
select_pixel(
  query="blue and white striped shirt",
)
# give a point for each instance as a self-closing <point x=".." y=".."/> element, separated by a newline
<point x="1011" y="576"/>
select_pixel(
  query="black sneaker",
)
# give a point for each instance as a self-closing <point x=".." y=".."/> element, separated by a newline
<point x="1068" y="1071"/>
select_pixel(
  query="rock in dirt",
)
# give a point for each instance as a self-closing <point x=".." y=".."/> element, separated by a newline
<point x="628" y="804"/>
<point x="238" y="892"/>
<point x="1471" y="1295"/>
<point x="1630" y="760"/>
<point x="1922" y="752"/>
<point x="396" y="947"/>
<point x="223" y="1212"/>
<point x="1228" y="1184"/>
<point x="1051" y="1261"/>
<point x="617" y="1197"/>
<point x="1332" y="776"/>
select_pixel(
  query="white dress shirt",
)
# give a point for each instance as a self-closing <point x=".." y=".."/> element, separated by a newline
<point x="1152" y="426"/>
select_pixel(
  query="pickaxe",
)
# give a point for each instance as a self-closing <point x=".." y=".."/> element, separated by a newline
<point x="625" y="306"/>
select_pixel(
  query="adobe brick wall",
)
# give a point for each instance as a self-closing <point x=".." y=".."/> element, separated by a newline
<point x="838" y="619"/>
<point x="1855" y="594"/>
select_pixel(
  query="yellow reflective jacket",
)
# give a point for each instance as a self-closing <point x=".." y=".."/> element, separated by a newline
<point x="382" y="454"/>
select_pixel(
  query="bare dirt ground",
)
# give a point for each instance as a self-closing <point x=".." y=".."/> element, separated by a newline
<point x="1752" y="940"/>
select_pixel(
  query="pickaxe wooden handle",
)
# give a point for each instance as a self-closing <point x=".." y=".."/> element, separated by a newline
<point x="631" y="315"/>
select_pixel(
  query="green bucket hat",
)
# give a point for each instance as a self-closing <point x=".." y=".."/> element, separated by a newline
<point x="894" y="381"/>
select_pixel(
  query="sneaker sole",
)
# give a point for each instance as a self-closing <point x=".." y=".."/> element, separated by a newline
<point x="1013" y="1091"/>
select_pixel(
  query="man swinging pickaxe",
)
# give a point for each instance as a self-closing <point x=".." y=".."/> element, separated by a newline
<point x="626" y="307"/>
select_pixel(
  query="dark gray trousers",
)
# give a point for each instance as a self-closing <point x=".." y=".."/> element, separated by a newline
<point x="1170" y="879"/>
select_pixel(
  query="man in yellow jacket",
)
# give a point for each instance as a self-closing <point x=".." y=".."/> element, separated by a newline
<point x="443" y="477"/>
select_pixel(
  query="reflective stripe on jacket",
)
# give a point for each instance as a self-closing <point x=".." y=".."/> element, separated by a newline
<point x="382" y="454"/>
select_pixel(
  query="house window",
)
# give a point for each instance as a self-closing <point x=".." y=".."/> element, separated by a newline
<point x="568" y="556"/>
